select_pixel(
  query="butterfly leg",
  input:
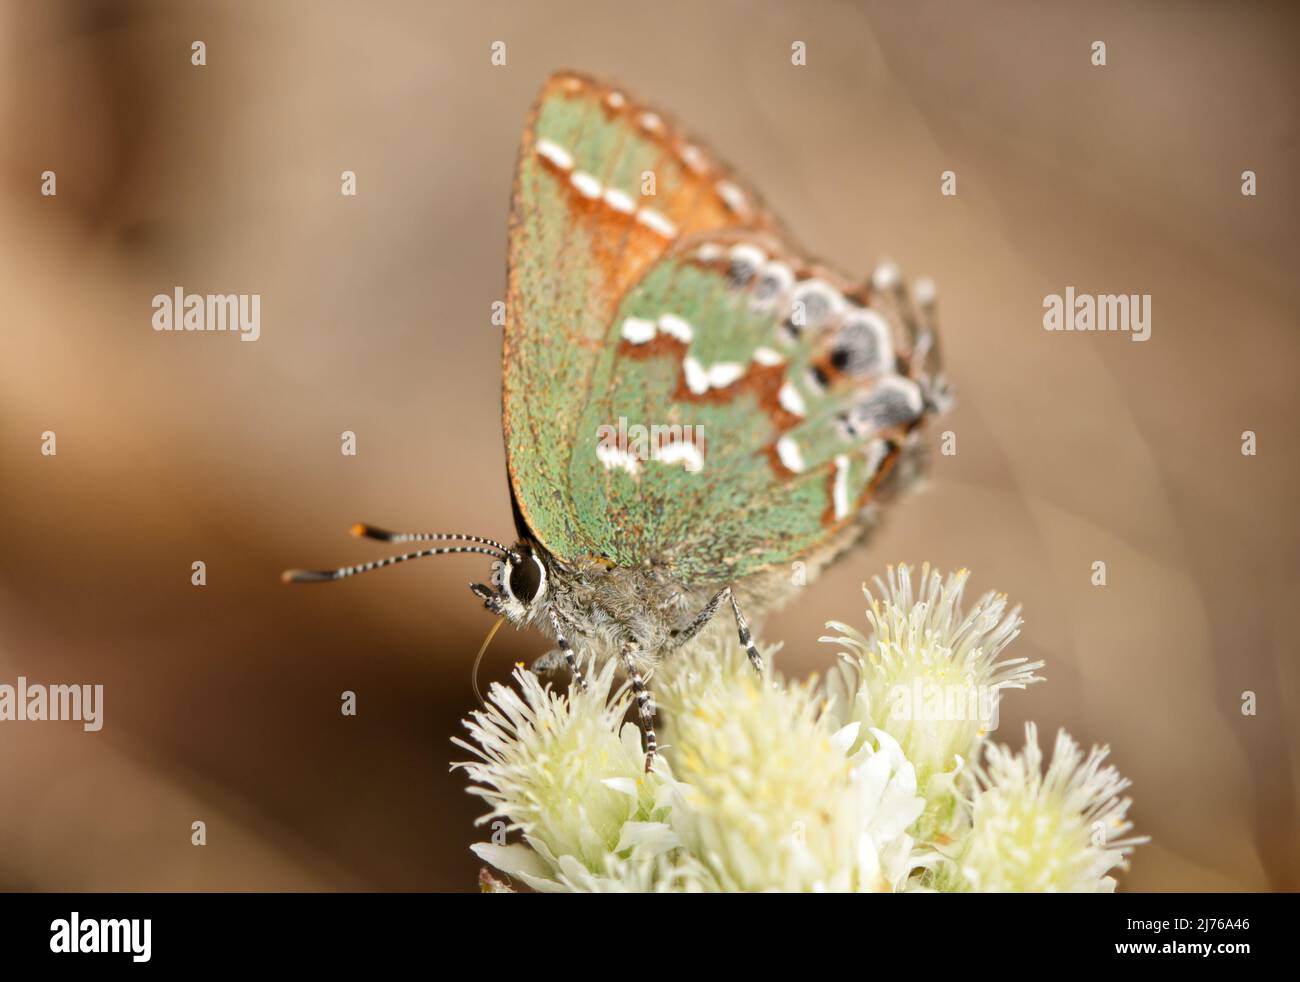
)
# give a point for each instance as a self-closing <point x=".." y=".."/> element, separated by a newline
<point x="567" y="649"/>
<point x="742" y="626"/>
<point x="702" y="618"/>
<point x="643" y="705"/>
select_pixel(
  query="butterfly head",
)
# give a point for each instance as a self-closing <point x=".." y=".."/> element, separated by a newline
<point x="520" y="575"/>
<point x="520" y="583"/>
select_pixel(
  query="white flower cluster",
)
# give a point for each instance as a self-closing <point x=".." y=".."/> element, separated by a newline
<point x="883" y="782"/>
<point x="931" y="676"/>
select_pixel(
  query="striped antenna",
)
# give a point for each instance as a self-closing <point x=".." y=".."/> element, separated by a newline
<point x="326" y="575"/>
<point x="363" y="531"/>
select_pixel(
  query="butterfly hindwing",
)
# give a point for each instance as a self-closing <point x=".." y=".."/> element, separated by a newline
<point x="742" y="411"/>
<point x="604" y="189"/>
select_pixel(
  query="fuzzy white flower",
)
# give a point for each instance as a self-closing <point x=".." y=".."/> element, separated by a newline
<point x="1063" y="831"/>
<point x="643" y="870"/>
<point x="566" y="771"/>
<point x="764" y="784"/>
<point x="929" y="675"/>
<point x="765" y="792"/>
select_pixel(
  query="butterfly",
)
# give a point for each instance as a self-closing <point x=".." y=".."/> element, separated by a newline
<point x="696" y="416"/>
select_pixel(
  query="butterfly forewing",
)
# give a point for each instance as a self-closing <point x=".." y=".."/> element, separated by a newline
<point x="682" y="389"/>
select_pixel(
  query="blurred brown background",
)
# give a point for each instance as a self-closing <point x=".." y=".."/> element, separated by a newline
<point x="222" y="703"/>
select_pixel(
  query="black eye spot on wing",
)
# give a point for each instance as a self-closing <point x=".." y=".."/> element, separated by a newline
<point x="862" y="345"/>
<point x="896" y="402"/>
<point x="745" y="263"/>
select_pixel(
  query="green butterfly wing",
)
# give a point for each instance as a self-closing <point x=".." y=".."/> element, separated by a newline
<point x="583" y="231"/>
<point x="684" y="390"/>
<point x="782" y="401"/>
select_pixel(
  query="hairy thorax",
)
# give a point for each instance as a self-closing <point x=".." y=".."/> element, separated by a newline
<point x="606" y="607"/>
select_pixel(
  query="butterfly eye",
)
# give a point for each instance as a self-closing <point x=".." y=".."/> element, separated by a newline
<point x="525" y="579"/>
